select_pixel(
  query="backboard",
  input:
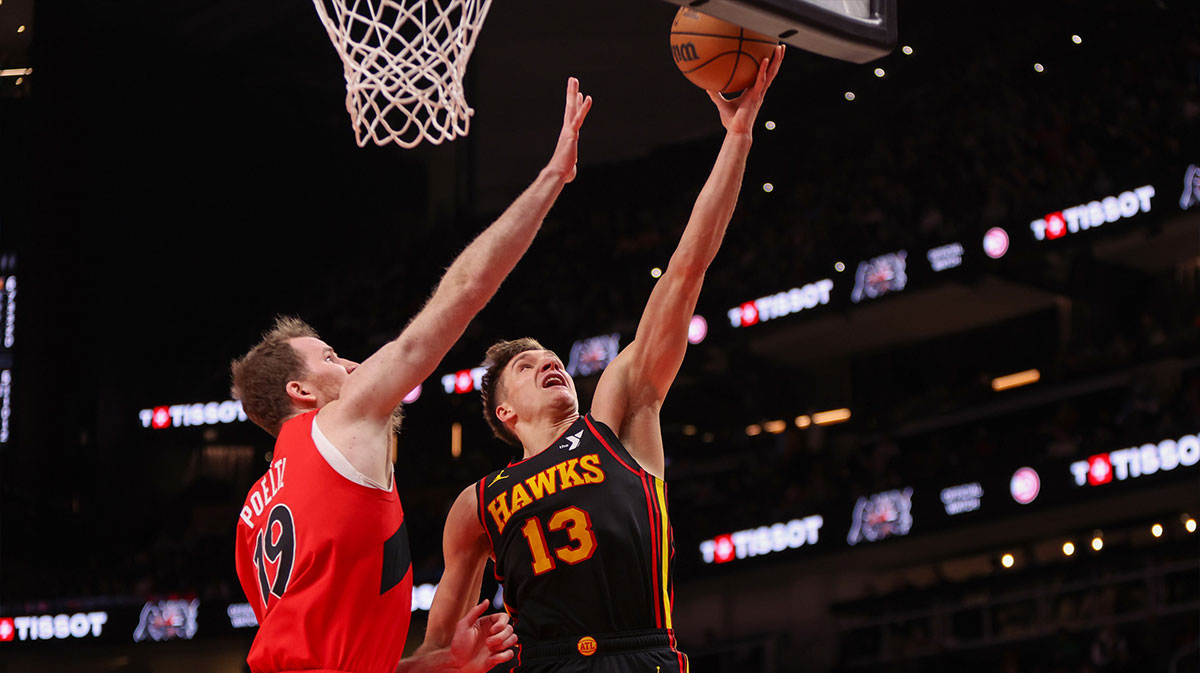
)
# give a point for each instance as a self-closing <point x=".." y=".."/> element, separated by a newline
<point x="850" y="30"/>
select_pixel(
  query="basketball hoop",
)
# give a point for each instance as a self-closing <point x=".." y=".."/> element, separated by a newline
<point x="404" y="62"/>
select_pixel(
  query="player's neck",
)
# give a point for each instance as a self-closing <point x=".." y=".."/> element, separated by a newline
<point x="537" y="437"/>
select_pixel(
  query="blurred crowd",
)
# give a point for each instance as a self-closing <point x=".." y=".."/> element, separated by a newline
<point x="1132" y="610"/>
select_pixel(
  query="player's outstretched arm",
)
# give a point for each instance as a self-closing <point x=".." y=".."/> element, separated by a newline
<point x="375" y="388"/>
<point x="632" y="389"/>
<point x="465" y="547"/>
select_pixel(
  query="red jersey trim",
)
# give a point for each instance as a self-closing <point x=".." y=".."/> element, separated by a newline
<point x="596" y="433"/>
<point x="488" y="531"/>
<point x="683" y="660"/>
<point x="658" y="620"/>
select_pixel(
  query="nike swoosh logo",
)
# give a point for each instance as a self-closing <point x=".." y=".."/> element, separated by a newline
<point x="498" y="478"/>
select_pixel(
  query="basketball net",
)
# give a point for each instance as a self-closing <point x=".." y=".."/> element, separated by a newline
<point x="404" y="62"/>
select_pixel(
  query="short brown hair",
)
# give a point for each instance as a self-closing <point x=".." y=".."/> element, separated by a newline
<point x="498" y="356"/>
<point x="260" y="377"/>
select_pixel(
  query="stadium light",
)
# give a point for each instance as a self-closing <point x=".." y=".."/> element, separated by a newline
<point x="803" y="421"/>
<point x="655" y="272"/>
<point x="1068" y="548"/>
<point x="831" y="417"/>
<point x="1156" y="530"/>
<point x="1016" y="380"/>
<point x="1007" y="560"/>
<point x="908" y="51"/>
<point x="1189" y="524"/>
<point x="456" y="440"/>
<point x="753" y="430"/>
<point x="689" y="430"/>
<point x="1076" y="39"/>
<point x="1097" y="543"/>
<point x="774" y="427"/>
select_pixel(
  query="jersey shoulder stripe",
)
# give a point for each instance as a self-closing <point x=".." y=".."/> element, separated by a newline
<point x="596" y="431"/>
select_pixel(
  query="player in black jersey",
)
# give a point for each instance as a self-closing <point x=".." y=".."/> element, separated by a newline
<point x="579" y="528"/>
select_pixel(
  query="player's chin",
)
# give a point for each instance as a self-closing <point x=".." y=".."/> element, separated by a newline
<point x="562" y="396"/>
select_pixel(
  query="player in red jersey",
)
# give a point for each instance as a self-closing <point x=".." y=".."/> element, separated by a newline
<point x="579" y="529"/>
<point x="322" y="546"/>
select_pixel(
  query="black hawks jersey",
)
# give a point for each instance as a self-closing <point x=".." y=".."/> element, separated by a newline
<point x="581" y="538"/>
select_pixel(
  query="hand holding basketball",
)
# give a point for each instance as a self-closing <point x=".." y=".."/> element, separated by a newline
<point x="738" y="115"/>
<point x="566" y="154"/>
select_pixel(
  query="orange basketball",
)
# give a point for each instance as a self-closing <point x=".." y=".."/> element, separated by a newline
<point x="717" y="55"/>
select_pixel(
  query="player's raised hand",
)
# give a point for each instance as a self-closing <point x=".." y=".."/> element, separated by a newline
<point x="738" y="115"/>
<point x="481" y="642"/>
<point x="566" y="154"/>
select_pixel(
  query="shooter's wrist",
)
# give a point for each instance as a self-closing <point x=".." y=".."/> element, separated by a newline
<point x="554" y="176"/>
<point x="739" y="136"/>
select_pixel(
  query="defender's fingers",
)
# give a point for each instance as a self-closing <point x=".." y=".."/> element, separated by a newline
<point x="495" y="641"/>
<point x="500" y="657"/>
<point x="473" y="614"/>
<point x="501" y="620"/>
<point x="501" y="633"/>
<point x="508" y="643"/>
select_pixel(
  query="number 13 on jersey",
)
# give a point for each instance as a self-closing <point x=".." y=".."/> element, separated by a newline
<point x="579" y="529"/>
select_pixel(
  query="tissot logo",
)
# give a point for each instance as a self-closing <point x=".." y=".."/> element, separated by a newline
<point x="187" y="415"/>
<point x="723" y="550"/>
<point x="464" y="381"/>
<point x="762" y="540"/>
<point x="1093" y="214"/>
<point x="780" y="304"/>
<point x="1137" y="461"/>
<point x="1099" y="470"/>
<point x="53" y="627"/>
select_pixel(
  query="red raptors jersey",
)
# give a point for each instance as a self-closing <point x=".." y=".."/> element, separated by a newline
<point x="325" y="563"/>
